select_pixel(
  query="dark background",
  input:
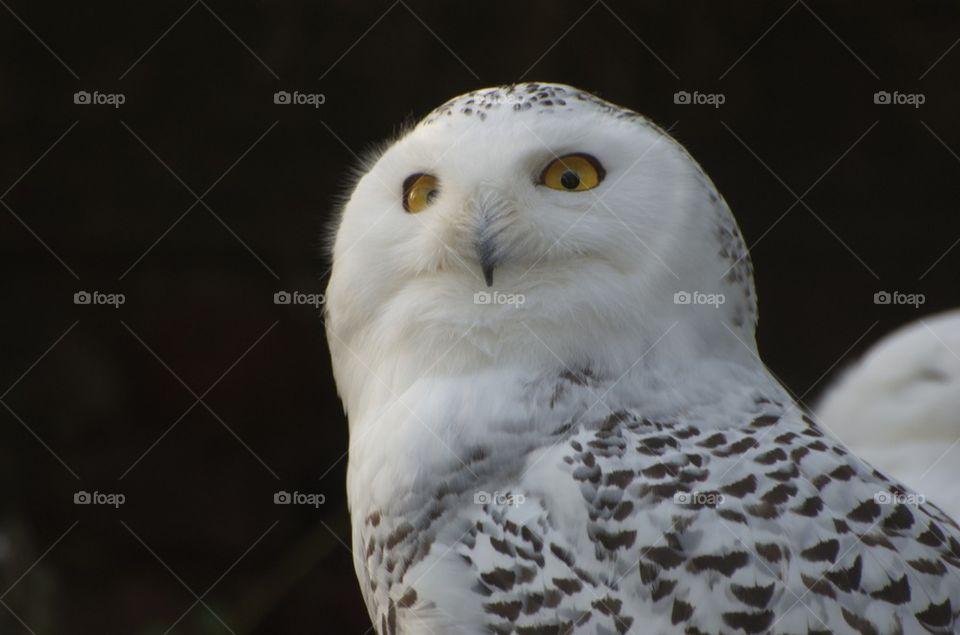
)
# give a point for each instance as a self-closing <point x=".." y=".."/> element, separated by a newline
<point x="95" y="202"/>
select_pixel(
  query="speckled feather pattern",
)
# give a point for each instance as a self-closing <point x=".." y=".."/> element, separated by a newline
<point x="783" y="533"/>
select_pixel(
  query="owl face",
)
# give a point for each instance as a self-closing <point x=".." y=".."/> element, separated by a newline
<point x="535" y="204"/>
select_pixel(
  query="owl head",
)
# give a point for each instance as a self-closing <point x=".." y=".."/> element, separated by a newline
<point x="533" y="227"/>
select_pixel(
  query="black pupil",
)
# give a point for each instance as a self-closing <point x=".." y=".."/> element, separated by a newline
<point x="432" y="194"/>
<point x="570" y="180"/>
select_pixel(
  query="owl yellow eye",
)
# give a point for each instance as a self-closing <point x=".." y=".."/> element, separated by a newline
<point x="573" y="173"/>
<point x="419" y="190"/>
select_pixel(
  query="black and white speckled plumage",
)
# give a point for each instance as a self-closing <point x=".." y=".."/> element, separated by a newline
<point x="783" y="535"/>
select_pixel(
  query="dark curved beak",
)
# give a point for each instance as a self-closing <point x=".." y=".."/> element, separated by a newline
<point x="486" y="252"/>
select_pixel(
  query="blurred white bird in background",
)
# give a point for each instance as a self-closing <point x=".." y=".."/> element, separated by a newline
<point x="899" y="408"/>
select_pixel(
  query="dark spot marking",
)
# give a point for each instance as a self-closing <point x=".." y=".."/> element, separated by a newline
<point x="681" y="612"/>
<point x="408" y="599"/>
<point x="623" y="539"/>
<point x="933" y="567"/>
<point x="620" y="478"/>
<point x="937" y="618"/>
<point x="664" y="556"/>
<point x="741" y="488"/>
<point x="848" y="579"/>
<point x="726" y="564"/>
<point x="756" y="622"/>
<point x="757" y="596"/>
<point x="662" y="589"/>
<point x="842" y="473"/>
<point x="398" y="534"/>
<point x="503" y="579"/>
<point x="713" y="441"/>
<point x="779" y="494"/>
<point x="825" y="550"/>
<point x="771" y="457"/>
<point x="820" y="586"/>
<point x="860" y="624"/>
<point x="865" y="512"/>
<point x="897" y="592"/>
<point x="765" y="420"/>
<point x="900" y="519"/>
<point x="810" y="507"/>
<point x="568" y="585"/>
<point x="507" y="610"/>
<point x="770" y="551"/>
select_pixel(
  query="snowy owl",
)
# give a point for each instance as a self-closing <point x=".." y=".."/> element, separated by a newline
<point x="899" y="408"/>
<point x="541" y="320"/>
